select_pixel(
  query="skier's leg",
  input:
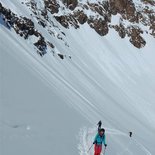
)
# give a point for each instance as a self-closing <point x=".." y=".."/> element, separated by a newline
<point x="100" y="149"/>
<point x="96" y="150"/>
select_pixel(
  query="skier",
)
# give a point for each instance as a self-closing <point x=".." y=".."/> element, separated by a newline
<point x="130" y="134"/>
<point x="99" y="140"/>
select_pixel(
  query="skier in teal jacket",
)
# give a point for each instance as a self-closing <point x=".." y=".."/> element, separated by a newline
<point x="100" y="139"/>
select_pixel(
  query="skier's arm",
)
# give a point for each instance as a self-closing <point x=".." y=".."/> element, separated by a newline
<point x="95" y="139"/>
<point x="104" y="141"/>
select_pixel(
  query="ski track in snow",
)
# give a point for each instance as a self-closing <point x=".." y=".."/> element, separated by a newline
<point x="86" y="137"/>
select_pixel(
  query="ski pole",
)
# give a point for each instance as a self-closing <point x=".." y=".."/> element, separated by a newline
<point x="104" y="150"/>
<point x="90" y="148"/>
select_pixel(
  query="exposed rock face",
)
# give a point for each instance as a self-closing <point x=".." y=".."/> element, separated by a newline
<point x="71" y="4"/>
<point x="24" y="27"/>
<point x="52" y="6"/>
<point x="62" y="20"/>
<point x="150" y="21"/>
<point x="98" y="15"/>
<point x="101" y="20"/>
<point x="134" y="33"/>
<point x="96" y="8"/>
<point x="100" y="26"/>
<point x="117" y="6"/>
<point x="124" y="7"/>
<point x="136" y="39"/>
<point x="41" y="45"/>
<point x="67" y="20"/>
<point x="105" y="9"/>
<point x="121" y="30"/>
<point x="152" y="2"/>
<point x="81" y="17"/>
<point x="131" y="11"/>
<point x="152" y="27"/>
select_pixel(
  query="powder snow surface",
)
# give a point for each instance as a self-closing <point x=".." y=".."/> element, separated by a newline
<point x="51" y="106"/>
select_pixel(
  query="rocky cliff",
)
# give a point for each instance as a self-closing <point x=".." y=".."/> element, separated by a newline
<point x="130" y="19"/>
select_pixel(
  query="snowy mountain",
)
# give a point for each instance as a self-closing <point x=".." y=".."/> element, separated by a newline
<point x="67" y="64"/>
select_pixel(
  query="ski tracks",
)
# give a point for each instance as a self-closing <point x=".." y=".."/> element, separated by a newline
<point x="86" y="137"/>
<point x="86" y="140"/>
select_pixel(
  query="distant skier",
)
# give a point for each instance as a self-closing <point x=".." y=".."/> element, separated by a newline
<point x="130" y="134"/>
<point x="100" y="139"/>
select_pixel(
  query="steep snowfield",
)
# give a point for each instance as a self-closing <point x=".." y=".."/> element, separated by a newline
<point x="49" y="106"/>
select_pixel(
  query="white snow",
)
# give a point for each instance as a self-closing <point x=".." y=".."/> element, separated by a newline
<point x="51" y="106"/>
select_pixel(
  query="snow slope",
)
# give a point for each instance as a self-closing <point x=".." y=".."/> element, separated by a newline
<point x="46" y="102"/>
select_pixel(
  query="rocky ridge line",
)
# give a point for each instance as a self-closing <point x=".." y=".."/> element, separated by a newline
<point x="104" y="11"/>
<point x="25" y="28"/>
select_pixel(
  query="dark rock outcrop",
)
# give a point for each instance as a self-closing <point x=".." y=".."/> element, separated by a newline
<point x="25" y="28"/>
<point x="124" y="7"/>
<point x="81" y="17"/>
<point x="151" y="2"/>
<point x="62" y="20"/>
<point x="135" y="38"/>
<point x="102" y="13"/>
<point x="52" y="6"/>
<point x="71" y="4"/>
<point x="121" y="30"/>
<point x="41" y="45"/>
<point x="65" y="21"/>
<point x="61" y="56"/>
<point x="100" y="26"/>
<point x="50" y="44"/>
